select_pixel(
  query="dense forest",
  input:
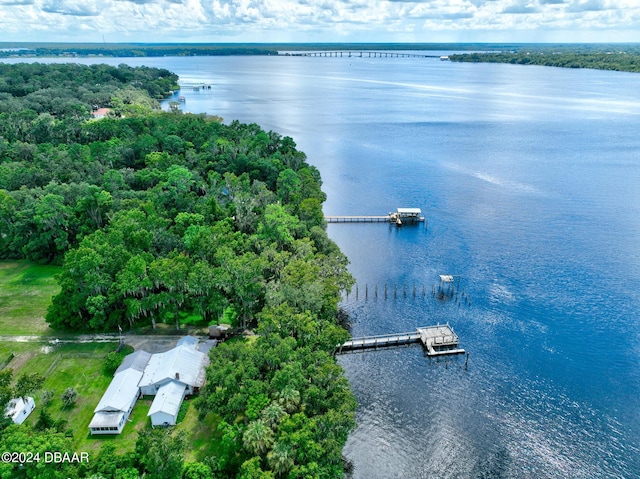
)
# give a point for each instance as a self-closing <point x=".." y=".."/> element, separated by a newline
<point x="628" y="61"/>
<point x="163" y="217"/>
<point x="132" y="49"/>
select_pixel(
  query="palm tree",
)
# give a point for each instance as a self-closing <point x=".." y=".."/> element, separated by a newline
<point x="258" y="437"/>
<point x="280" y="458"/>
<point x="273" y="414"/>
<point x="290" y="399"/>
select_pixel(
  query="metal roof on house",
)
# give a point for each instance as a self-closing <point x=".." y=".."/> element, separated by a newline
<point x="206" y="346"/>
<point x="121" y="392"/>
<point x="182" y="363"/>
<point x="106" y="419"/>
<point x="137" y="361"/>
<point x="17" y="405"/>
<point x="168" y="399"/>
<point x="188" y="341"/>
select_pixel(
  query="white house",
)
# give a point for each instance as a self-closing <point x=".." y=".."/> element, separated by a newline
<point x="137" y="360"/>
<point x="166" y="405"/>
<point x="117" y="403"/>
<point x="111" y="413"/>
<point x="169" y="376"/>
<point x="183" y="364"/>
<point x="18" y="409"/>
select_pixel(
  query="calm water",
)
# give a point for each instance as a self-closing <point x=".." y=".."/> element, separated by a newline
<point x="530" y="181"/>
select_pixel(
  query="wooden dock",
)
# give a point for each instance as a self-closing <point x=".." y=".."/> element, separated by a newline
<point x="437" y="340"/>
<point x="399" y="217"/>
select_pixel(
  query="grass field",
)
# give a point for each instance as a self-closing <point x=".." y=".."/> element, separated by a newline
<point x="199" y="433"/>
<point x="63" y="366"/>
<point x="26" y="290"/>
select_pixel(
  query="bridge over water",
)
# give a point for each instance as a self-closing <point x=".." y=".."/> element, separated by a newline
<point x="360" y="54"/>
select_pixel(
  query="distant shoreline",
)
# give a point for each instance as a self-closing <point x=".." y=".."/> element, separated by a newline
<point x="614" y="60"/>
<point x="601" y="56"/>
<point x="31" y="49"/>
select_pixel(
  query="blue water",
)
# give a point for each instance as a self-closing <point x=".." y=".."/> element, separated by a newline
<point x="530" y="181"/>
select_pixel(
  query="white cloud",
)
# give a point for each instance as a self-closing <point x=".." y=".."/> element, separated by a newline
<point x="587" y="6"/>
<point x="521" y="7"/>
<point x="70" y="7"/>
<point x="315" y="20"/>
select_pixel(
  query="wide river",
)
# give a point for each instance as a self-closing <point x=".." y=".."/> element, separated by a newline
<point x="529" y="178"/>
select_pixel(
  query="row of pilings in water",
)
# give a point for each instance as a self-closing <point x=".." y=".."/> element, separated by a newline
<point x="440" y="292"/>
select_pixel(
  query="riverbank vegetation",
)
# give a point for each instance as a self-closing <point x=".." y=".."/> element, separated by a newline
<point x="156" y="217"/>
<point x="600" y="57"/>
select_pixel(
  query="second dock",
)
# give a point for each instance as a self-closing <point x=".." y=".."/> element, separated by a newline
<point x="400" y="216"/>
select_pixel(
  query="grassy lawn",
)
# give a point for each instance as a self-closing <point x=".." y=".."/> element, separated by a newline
<point x="77" y="366"/>
<point x="202" y="442"/>
<point x="124" y="442"/>
<point x="25" y="293"/>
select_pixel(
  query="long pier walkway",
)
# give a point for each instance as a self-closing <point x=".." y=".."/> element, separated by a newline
<point x="407" y="215"/>
<point x="359" y="219"/>
<point x="438" y="340"/>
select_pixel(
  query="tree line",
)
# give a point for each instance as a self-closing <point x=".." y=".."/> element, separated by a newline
<point x="154" y="216"/>
<point x="133" y="50"/>
<point x="607" y="60"/>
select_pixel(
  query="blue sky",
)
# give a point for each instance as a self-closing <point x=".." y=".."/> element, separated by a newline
<point x="320" y="20"/>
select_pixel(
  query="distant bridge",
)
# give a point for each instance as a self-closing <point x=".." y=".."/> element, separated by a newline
<point x="359" y="54"/>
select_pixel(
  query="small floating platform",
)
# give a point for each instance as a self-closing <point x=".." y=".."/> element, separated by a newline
<point x="437" y="340"/>
<point x="400" y="216"/>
